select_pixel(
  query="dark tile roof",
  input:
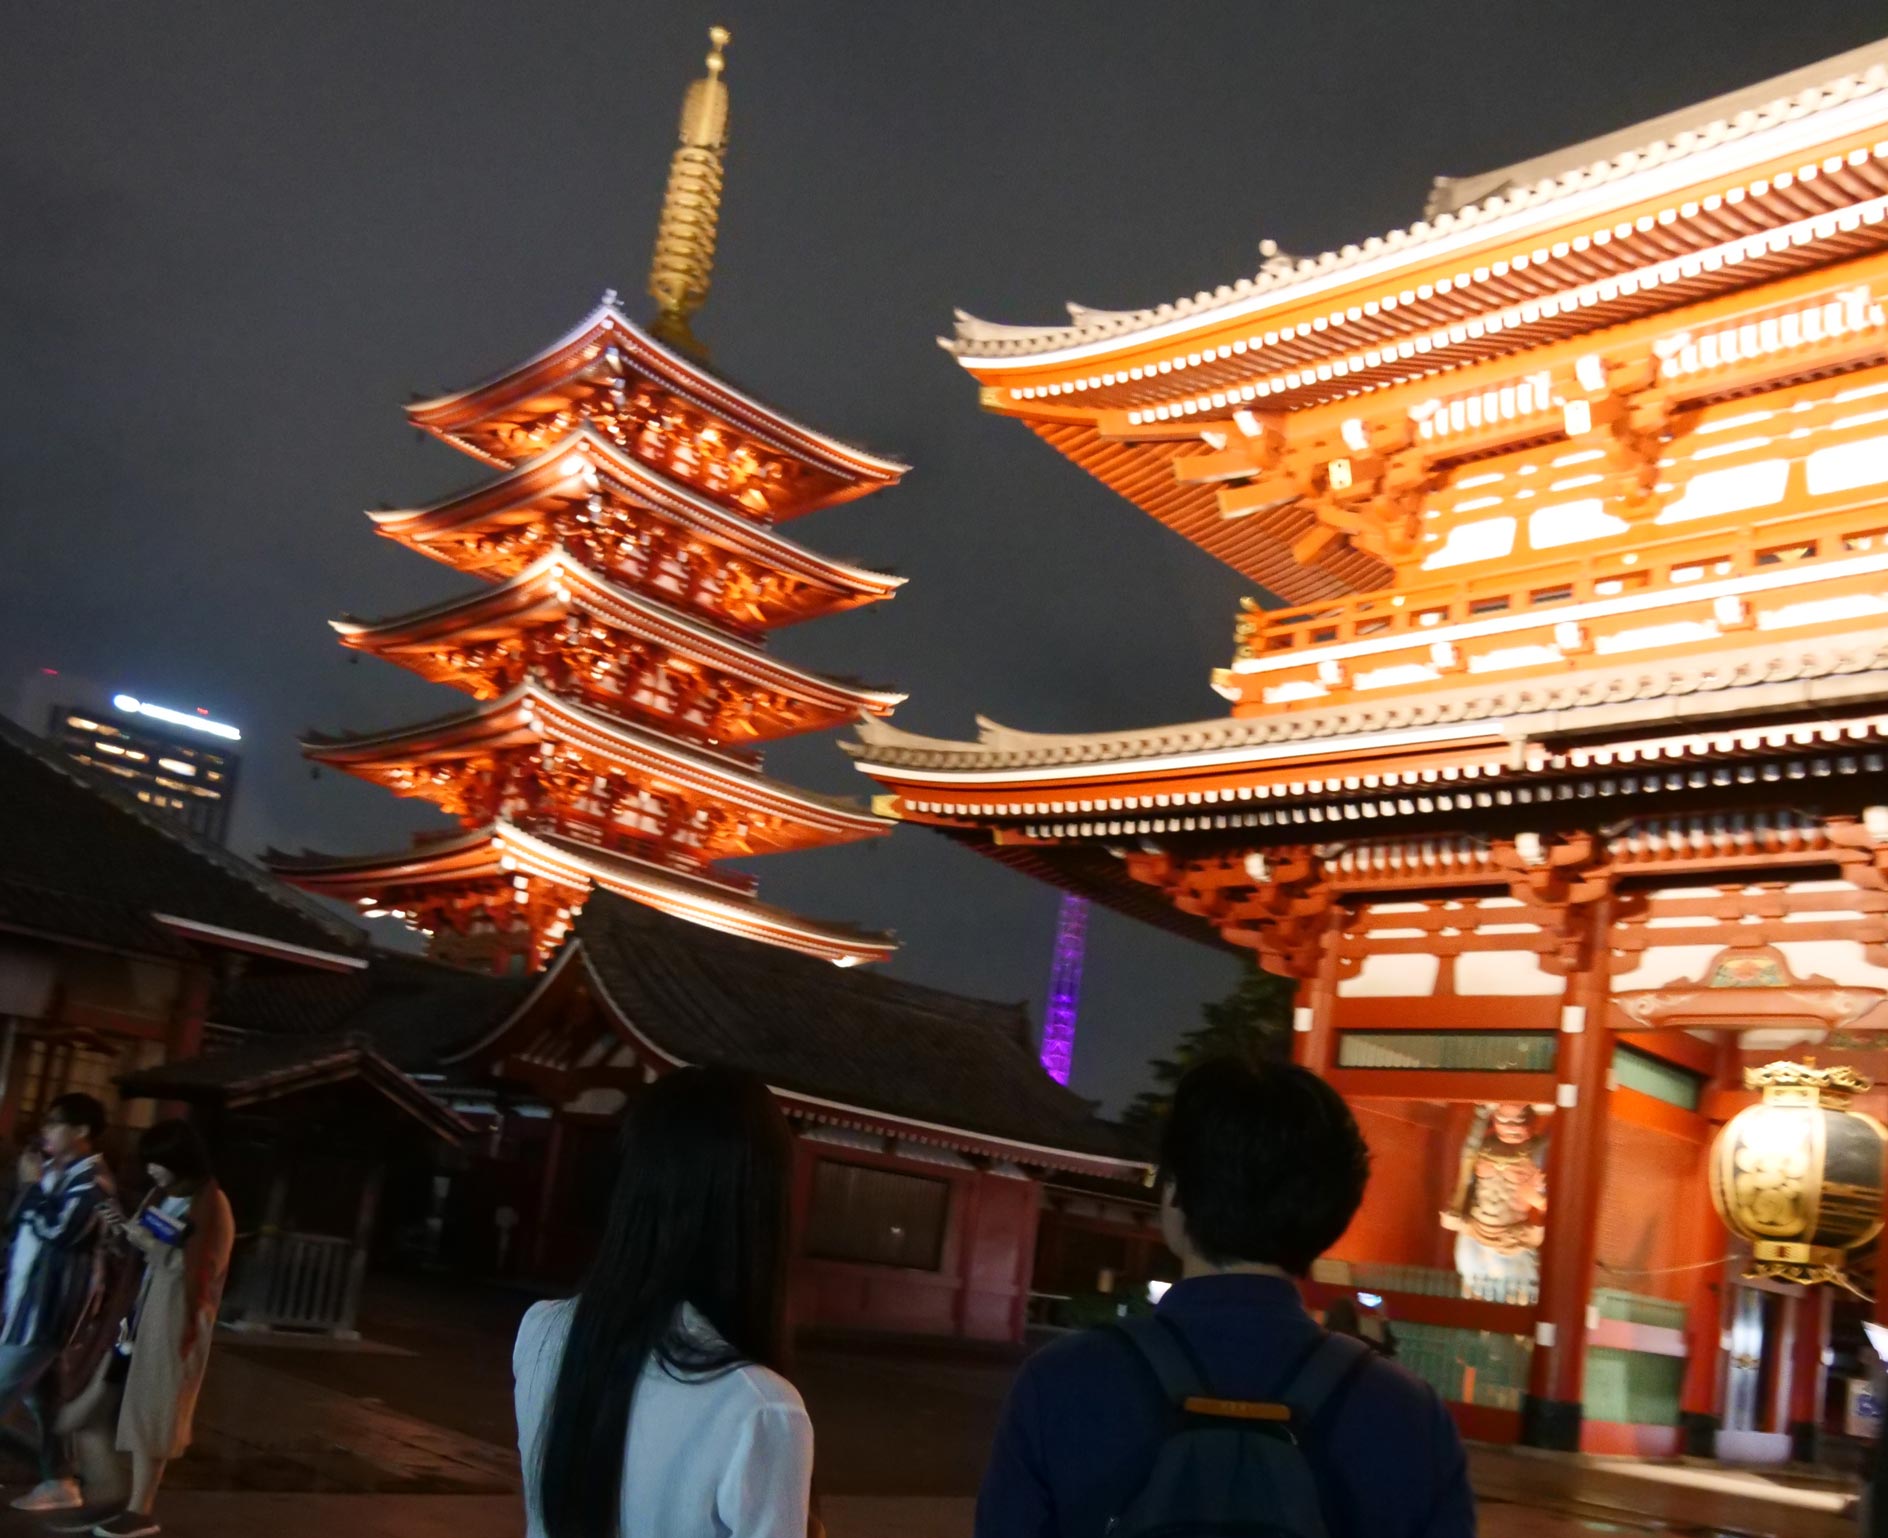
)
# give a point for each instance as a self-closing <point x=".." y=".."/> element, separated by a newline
<point x="270" y="1068"/>
<point x="411" y="1010"/>
<point x="859" y="1038"/>
<point x="79" y="859"/>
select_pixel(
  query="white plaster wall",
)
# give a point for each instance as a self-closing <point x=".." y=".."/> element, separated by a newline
<point x="1382" y="977"/>
<point x="1510" y="974"/>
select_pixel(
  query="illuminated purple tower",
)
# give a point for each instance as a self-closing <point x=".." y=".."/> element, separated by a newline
<point x="1065" y="987"/>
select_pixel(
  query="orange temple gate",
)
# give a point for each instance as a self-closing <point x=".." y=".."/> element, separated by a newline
<point x="1557" y="784"/>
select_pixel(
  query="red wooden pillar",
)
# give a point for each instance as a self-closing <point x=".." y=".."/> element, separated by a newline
<point x="1314" y="1019"/>
<point x="800" y="1304"/>
<point x="1699" y="1414"/>
<point x="1025" y="1265"/>
<point x="1576" y="1158"/>
<point x="968" y="1218"/>
<point x="1809" y="1373"/>
<point x="185" y="1037"/>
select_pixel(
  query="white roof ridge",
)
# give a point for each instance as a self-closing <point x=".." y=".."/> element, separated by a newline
<point x="1486" y="197"/>
<point x="1818" y="78"/>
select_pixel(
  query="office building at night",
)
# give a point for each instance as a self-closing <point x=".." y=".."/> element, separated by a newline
<point x="179" y="763"/>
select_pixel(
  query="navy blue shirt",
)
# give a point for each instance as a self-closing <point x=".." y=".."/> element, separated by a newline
<point x="1084" y="1421"/>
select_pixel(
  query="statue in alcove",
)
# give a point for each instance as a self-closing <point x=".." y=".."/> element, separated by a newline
<point x="1499" y="1209"/>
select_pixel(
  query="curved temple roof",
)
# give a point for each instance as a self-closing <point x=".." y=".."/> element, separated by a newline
<point x="447" y="416"/>
<point x="498" y="850"/>
<point x="558" y="583"/>
<point x="552" y="471"/>
<point x="531" y="713"/>
<point x="1743" y="127"/>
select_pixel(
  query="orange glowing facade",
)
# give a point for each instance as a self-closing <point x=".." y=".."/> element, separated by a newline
<point x="616" y="656"/>
<point x="1558" y="780"/>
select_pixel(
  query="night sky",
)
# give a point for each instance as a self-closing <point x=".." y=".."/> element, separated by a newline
<point x="235" y="238"/>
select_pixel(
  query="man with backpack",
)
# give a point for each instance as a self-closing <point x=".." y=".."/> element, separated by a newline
<point x="1230" y="1410"/>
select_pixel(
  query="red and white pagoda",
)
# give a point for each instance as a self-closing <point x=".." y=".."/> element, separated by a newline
<point x="617" y="653"/>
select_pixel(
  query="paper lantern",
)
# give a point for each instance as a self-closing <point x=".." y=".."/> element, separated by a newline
<point x="1800" y="1176"/>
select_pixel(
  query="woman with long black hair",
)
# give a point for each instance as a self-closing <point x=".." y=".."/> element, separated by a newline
<point x="652" y="1404"/>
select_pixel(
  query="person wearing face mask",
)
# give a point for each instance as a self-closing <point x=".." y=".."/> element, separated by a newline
<point x="55" y="1225"/>
<point x="185" y="1231"/>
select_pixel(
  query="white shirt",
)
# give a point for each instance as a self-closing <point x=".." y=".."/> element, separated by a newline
<point x="722" y="1457"/>
<point x="26" y="1246"/>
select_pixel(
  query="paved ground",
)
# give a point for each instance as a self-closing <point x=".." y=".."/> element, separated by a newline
<point x="412" y="1439"/>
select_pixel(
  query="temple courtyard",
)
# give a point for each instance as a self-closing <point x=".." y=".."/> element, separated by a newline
<point x="410" y="1433"/>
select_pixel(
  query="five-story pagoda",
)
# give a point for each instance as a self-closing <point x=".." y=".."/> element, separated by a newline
<point x="616" y="655"/>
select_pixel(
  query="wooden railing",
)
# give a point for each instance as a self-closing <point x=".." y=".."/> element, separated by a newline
<point x="301" y="1282"/>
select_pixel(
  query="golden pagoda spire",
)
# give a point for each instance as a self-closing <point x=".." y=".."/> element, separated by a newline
<point x="685" y="240"/>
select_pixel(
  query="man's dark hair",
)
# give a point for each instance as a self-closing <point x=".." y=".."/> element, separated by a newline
<point x="82" y="1112"/>
<point x="1266" y="1163"/>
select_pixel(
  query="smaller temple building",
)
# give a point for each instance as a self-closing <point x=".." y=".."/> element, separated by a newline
<point x="927" y="1131"/>
<point x="118" y="925"/>
<point x="926" y="1127"/>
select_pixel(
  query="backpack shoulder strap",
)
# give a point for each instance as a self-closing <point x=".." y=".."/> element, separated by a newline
<point x="1333" y="1362"/>
<point x="1167" y="1356"/>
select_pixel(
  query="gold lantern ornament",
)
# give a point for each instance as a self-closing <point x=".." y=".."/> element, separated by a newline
<point x="1800" y="1175"/>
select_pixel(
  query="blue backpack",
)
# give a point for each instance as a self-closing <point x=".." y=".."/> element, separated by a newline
<point x="1233" y="1468"/>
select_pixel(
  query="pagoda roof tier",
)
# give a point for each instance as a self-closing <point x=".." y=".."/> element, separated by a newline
<point x="500" y="853"/>
<point x="529" y="715"/>
<point x="559" y="587"/>
<point x="504" y="420"/>
<point x="561" y="481"/>
<point x="1830" y="689"/>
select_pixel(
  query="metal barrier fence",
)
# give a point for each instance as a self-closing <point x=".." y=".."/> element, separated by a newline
<point x="304" y="1282"/>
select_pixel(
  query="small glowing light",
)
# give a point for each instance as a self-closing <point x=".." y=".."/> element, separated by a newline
<point x="1355" y="437"/>
<point x="176" y="766"/>
<point x="847" y="961"/>
<point x="131" y="705"/>
<point x="573" y="465"/>
<point x="1370" y="1299"/>
<point x="1591" y="372"/>
<point x="375" y="913"/>
<point x="1157" y="1290"/>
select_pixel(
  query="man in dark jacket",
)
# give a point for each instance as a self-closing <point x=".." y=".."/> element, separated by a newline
<point x="1261" y="1171"/>
<point x="57" y="1221"/>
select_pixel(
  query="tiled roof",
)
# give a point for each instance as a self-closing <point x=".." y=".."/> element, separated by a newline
<point x="410" y="1010"/>
<point x="260" y="1071"/>
<point x="1496" y="195"/>
<point x="1770" y="676"/>
<point x="80" y="859"/>
<point x="860" y="1039"/>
